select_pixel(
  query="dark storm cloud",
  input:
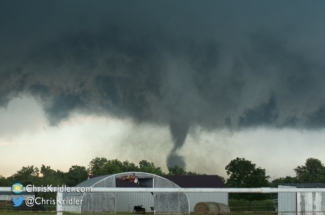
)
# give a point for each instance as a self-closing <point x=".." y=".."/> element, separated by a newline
<point x="265" y="114"/>
<point x="215" y="64"/>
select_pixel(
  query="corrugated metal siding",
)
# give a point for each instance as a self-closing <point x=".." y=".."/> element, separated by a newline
<point x="310" y="203"/>
<point x="176" y="203"/>
<point x="323" y="202"/>
<point x="287" y="202"/>
<point x="72" y="208"/>
<point x="126" y="201"/>
<point x="98" y="202"/>
<point x="171" y="203"/>
<point x="194" y="198"/>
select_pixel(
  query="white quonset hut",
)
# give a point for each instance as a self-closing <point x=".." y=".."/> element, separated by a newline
<point x="125" y="202"/>
<point x="181" y="203"/>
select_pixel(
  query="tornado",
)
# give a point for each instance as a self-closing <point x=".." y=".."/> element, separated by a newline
<point x="179" y="127"/>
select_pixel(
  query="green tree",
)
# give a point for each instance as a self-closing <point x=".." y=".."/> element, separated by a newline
<point x="97" y="166"/>
<point x="47" y="171"/>
<point x="63" y="176"/>
<point x="283" y="180"/>
<point x="312" y="172"/>
<point x="27" y="175"/>
<point x="102" y="166"/>
<point x="114" y="166"/>
<point x="49" y="177"/>
<point x="149" y="167"/>
<point x="222" y="179"/>
<point x="243" y="173"/>
<point x="176" y="170"/>
<point x="4" y="181"/>
<point x="76" y="175"/>
<point x="129" y="167"/>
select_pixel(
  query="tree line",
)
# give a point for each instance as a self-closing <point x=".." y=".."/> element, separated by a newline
<point x="77" y="174"/>
<point x="244" y="173"/>
<point x="241" y="173"/>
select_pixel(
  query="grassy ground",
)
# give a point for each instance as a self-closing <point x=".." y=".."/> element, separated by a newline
<point x="243" y="205"/>
<point x="53" y="213"/>
<point x="237" y="207"/>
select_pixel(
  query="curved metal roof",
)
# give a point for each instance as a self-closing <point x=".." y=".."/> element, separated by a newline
<point x="93" y="181"/>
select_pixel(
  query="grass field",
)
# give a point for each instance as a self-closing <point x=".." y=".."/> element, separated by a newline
<point x="53" y="213"/>
<point x="243" y="205"/>
<point x="237" y="207"/>
<point x="12" y="212"/>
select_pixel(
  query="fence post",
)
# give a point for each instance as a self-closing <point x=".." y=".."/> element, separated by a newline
<point x="59" y="206"/>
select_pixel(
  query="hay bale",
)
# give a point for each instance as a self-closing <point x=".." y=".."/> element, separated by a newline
<point x="210" y="208"/>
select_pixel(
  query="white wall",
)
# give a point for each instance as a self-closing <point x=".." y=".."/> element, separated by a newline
<point x="126" y="201"/>
<point x="287" y="202"/>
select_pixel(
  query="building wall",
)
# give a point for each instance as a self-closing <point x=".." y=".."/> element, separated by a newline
<point x="195" y="198"/>
<point x="72" y="208"/>
<point x="287" y="202"/>
<point x="126" y="201"/>
<point x="301" y="203"/>
<point x="162" y="202"/>
<point x="170" y="202"/>
<point x="310" y="203"/>
<point x="100" y="202"/>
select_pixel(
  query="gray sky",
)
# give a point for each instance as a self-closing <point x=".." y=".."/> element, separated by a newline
<point x="192" y="83"/>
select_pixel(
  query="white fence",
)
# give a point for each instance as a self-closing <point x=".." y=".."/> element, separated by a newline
<point x="184" y="190"/>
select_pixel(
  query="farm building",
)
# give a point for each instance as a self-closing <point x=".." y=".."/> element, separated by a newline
<point x="301" y="202"/>
<point x="200" y="181"/>
<point x="156" y="202"/>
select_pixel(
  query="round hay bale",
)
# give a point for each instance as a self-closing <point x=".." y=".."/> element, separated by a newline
<point x="210" y="208"/>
